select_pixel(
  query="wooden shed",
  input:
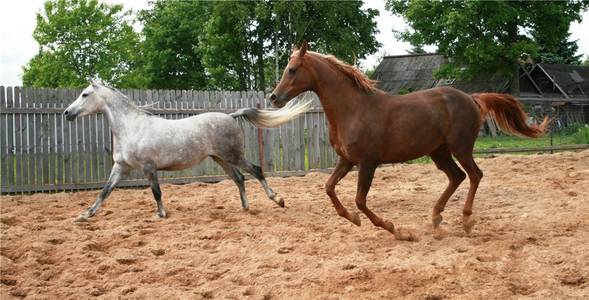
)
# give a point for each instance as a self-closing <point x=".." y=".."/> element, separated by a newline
<point x="564" y="88"/>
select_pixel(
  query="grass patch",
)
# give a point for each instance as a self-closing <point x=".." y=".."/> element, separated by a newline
<point x="505" y="141"/>
<point x="579" y="136"/>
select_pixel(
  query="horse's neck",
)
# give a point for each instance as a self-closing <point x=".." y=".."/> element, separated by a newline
<point x="123" y="118"/>
<point x="339" y="99"/>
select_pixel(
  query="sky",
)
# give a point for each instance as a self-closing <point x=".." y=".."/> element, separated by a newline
<point x="17" y="22"/>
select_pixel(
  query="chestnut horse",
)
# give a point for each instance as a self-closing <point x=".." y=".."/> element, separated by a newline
<point x="368" y="127"/>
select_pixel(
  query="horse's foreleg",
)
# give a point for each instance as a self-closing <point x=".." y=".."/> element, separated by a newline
<point x="151" y="175"/>
<point x="257" y="173"/>
<point x="341" y="169"/>
<point x="365" y="175"/>
<point x="115" y="176"/>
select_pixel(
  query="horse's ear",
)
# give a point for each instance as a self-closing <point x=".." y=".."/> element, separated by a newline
<point x="294" y="48"/>
<point x="92" y="81"/>
<point x="303" y="49"/>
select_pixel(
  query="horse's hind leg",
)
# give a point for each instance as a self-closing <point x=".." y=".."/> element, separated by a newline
<point x="443" y="160"/>
<point x="474" y="175"/>
<point x="257" y="173"/>
<point x="151" y="175"/>
<point x="115" y="175"/>
<point x="237" y="177"/>
<point x="365" y="175"/>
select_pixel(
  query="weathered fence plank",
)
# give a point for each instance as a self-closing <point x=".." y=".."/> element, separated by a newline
<point x="10" y="139"/>
<point x="25" y="155"/>
<point x="3" y="139"/>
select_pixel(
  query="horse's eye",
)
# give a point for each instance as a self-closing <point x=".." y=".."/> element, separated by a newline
<point x="85" y="95"/>
<point x="292" y="71"/>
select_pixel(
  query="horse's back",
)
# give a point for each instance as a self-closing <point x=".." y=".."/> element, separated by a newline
<point x="455" y="103"/>
<point x="217" y="128"/>
<point x="214" y="118"/>
<point x="224" y="134"/>
<point x="461" y="118"/>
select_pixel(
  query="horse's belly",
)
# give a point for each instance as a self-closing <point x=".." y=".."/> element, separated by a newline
<point x="409" y="151"/>
<point x="385" y="150"/>
<point x="180" y="161"/>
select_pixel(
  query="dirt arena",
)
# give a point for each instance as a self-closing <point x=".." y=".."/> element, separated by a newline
<point x="531" y="239"/>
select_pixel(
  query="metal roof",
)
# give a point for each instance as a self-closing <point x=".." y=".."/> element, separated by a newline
<point x="413" y="72"/>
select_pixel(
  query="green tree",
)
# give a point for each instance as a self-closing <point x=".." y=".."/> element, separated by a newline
<point x="341" y="28"/>
<point x="416" y="50"/>
<point x="47" y="69"/>
<point x="230" y="45"/>
<point x="486" y="36"/>
<point x="82" y="38"/>
<point x="246" y="43"/>
<point x="564" y="52"/>
<point x="172" y="33"/>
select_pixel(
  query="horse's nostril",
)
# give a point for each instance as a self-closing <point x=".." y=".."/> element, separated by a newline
<point x="273" y="97"/>
<point x="66" y="112"/>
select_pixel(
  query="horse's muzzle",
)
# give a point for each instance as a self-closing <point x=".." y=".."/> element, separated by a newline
<point x="277" y="101"/>
<point x="69" y="115"/>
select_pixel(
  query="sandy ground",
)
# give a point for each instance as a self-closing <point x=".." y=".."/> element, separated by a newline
<point x="531" y="239"/>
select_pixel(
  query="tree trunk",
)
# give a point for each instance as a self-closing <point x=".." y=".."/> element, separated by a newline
<point x="514" y="82"/>
<point x="512" y="39"/>
<point x="261" y="77"/>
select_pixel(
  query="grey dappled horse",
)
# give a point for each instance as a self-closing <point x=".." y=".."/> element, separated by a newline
<point x="149" y="143"/>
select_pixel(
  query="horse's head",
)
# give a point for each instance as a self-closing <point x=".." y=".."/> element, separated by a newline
<point x="296" y="78"/>
<point x="88" y="102"/>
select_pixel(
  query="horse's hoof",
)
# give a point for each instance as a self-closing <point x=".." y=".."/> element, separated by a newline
<point x="404" y="235"/>
<point x="388" y="226"/>
<point x="436" y="220"/>
<point x="355" y="218"/>
<point x="82" y="218"/>
<point x="439" y="234"/>
<point x="468" y="223"/>
<point x="280" y="202"/>
<point x="161" y="215"/>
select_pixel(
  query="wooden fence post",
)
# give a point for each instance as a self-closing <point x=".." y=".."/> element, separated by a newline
<point x="260" y="144"/>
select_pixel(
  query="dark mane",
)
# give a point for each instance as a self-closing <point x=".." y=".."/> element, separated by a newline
<point x="360" y="79"/>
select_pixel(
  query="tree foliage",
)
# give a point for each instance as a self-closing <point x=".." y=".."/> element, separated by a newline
<point x="486" y="36"/>
<point x="244" y="40"/>
<point x="82" y="38"/>
<point x="564" y="52"/>
<point x="340" y="28"/>
<point x="235" y="45"/>
<point x="232" y="42"/>
<point x="172" y="33"/>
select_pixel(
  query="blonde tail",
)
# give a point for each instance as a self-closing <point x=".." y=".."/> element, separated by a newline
<point x="273" y="118"/>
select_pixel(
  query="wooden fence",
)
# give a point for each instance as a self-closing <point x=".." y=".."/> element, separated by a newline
<point x="41" y="151"/>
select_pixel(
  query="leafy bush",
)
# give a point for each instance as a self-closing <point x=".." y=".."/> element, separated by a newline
<point x="403" y="90"/>
<point x="572" y="128"/>
<point x="581" y="136"/>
